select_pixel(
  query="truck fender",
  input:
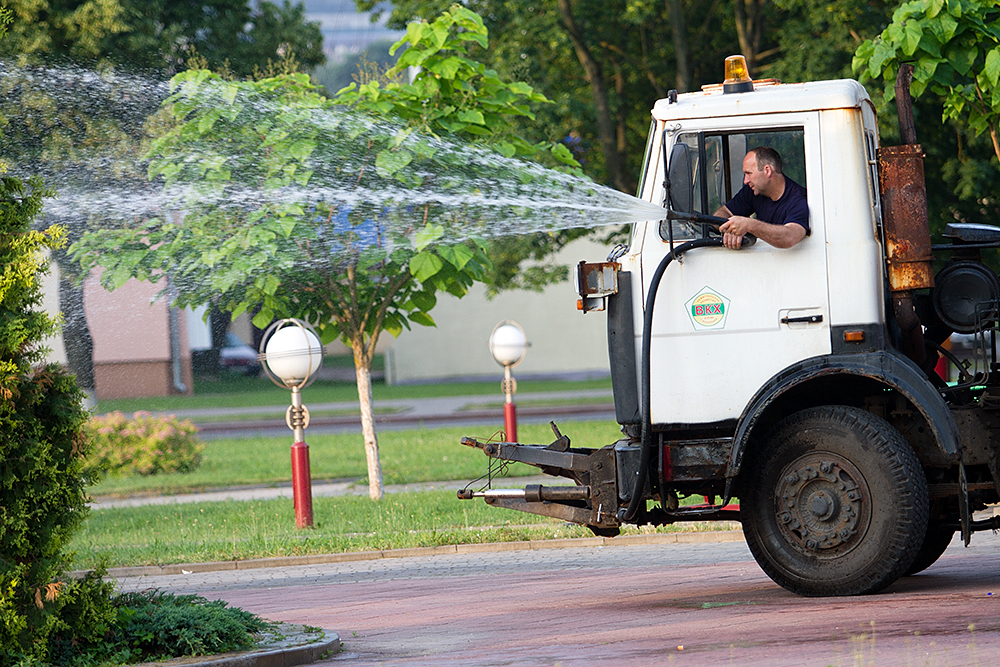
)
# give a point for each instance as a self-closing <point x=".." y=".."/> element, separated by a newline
<point x="892" y="370"/>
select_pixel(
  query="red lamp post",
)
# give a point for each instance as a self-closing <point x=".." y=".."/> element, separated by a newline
<point x="508" y="345"/>
<point x="291" y="354"/>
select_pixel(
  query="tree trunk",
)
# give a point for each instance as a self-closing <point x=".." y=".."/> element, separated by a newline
<point x="595" y="77"/>
<point x="678" y="31"/>
<point x="219" y="322"/>
<point x="749" y="27"/>
<point x="76" y="334"/>
<point x="363" y="367"/>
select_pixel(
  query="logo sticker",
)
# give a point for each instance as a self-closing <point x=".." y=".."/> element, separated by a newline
<point x="708" y="309"/>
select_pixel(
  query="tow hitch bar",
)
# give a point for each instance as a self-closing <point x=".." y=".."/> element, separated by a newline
<point x="532" y="493"/>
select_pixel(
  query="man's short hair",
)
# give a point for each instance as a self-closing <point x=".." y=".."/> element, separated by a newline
<point x="766" y="155"/>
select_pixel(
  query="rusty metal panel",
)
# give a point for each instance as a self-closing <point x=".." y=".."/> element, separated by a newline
<point x="597" y="279"/>
<point x="904" y="212"/>
<point x="696" y="460"/>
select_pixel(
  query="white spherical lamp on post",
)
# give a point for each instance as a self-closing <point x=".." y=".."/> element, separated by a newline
<point x="508" y="345"/>
<point x="292" y="354"/>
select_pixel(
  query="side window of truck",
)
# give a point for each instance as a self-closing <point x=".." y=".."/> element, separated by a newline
<point x="716" y="170"/>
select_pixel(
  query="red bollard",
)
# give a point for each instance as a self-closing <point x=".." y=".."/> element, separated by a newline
<point x="302" y="486"/>
<point x="510" y="421"/>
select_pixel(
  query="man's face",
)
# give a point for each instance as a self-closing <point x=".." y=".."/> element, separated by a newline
<point x="758" y="180"/>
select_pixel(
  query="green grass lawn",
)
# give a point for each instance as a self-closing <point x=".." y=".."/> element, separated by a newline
<point x="240" y="391"/>
<point x="413" y="455"/>
<point x="232" y="530"/>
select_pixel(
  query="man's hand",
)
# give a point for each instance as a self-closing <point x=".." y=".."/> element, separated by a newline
<point x="779" y="236"/>
<point x="734" y="230"/>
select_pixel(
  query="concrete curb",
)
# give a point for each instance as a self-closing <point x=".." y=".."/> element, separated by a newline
<point x="301" y="649"/>
<point x="702" y="537"/>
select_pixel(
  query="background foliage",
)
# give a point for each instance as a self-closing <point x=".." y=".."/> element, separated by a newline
<point x="639" y="49"/>
<point x="955" y="48"/>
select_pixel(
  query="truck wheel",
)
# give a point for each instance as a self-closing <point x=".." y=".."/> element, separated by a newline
<point x="934" y="546"/>
<point x="836" y="503"/>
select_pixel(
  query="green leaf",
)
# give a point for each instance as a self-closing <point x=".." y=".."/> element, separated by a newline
<point x="424" y="265"/>
<point x="471" y="116"/>
<point x="424" y="300"/>
<point x="448" y="68"/>
<point x="422" y="318"/>
<point x="270" y="284"/>
<point x="912" y="32"/>
<point x="393" y="324"/>
<point x="881" y="53"/>
<point x="263" y="319"/>
<point x="428" y="235"/>
<point x="302" y="149"/>
<point x="992" y="68"/>
<point x="439" y="32"/>
<point x="371" y="256"/>
<point x="389" y="162"/>
<point x="456" y="255"/>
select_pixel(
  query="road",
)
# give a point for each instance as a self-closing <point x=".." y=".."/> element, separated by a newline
<point x="680" y="604"/>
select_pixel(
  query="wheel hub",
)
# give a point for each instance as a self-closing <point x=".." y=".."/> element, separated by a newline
<point x="822" y="504"/>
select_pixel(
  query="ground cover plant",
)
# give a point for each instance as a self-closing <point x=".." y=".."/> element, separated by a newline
<point x="153" y="625"/>
<point x="240" y="530"/>
<point x="412" y="455"/>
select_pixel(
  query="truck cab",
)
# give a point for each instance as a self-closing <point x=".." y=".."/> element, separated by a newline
<point x="727" y="322"/>
<point x="800" y="381"/>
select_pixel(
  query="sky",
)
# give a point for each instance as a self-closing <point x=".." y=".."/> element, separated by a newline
<point x="345" y="30"/>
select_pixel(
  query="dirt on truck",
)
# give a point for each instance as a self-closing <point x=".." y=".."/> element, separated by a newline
<point x="813" y="383"/>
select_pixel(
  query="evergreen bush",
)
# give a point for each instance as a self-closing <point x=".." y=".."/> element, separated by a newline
<point x="143" y="445"/>
<point x="42" y="450"/>
<point x="152" y="625"/>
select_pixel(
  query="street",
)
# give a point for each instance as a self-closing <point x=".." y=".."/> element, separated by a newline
<point x="675" y="604"/>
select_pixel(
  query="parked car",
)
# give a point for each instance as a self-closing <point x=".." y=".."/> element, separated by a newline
<point x="238" y="357"/>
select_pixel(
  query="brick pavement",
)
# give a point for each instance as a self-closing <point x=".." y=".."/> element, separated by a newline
<point x="647" y="604"/>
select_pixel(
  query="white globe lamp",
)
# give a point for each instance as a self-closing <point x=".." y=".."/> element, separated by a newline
<point x="293" y="354"/>
<point x="508" y="343"/>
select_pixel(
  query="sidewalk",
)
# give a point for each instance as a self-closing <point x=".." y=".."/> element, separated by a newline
<point x="405" y="412"/>
<point x="416" y="408"/>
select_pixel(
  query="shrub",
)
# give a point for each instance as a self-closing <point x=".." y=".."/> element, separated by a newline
<point x="151" y="625"/>
<point x="42" y="484"/>
<point x="155" y="624"/>
<point x="143" y="445"/>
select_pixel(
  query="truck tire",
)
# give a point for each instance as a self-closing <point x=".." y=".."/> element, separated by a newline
<point x="836" y="503"/>
<point x="935" y="543"/>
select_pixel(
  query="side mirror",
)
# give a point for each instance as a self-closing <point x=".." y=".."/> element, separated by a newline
<point x="680" y="177"/>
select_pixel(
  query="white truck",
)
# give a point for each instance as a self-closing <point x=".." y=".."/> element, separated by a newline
<point x="800" y="381"/>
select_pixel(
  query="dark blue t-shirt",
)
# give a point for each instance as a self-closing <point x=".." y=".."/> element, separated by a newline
<point x="791" y="207"/>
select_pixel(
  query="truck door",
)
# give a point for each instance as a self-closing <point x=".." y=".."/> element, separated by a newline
<point x="725" y="321"/>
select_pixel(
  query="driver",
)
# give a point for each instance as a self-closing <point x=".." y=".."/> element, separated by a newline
<point x="779" y="202"/>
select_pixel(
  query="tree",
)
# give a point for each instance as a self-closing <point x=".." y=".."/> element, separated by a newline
<point x="313" y="208"/>
<point x="159" y="35"/>
<point x="955" y="48"/>
<point x="42" y="485"/>
<point x="86" y="133"/>
<point x="602" y="63"/>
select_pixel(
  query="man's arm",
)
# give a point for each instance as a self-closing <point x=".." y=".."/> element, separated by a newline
<point x="779" y="236"/>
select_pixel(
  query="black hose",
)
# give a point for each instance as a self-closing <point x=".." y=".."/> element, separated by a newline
<point x="646" y="439"/>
